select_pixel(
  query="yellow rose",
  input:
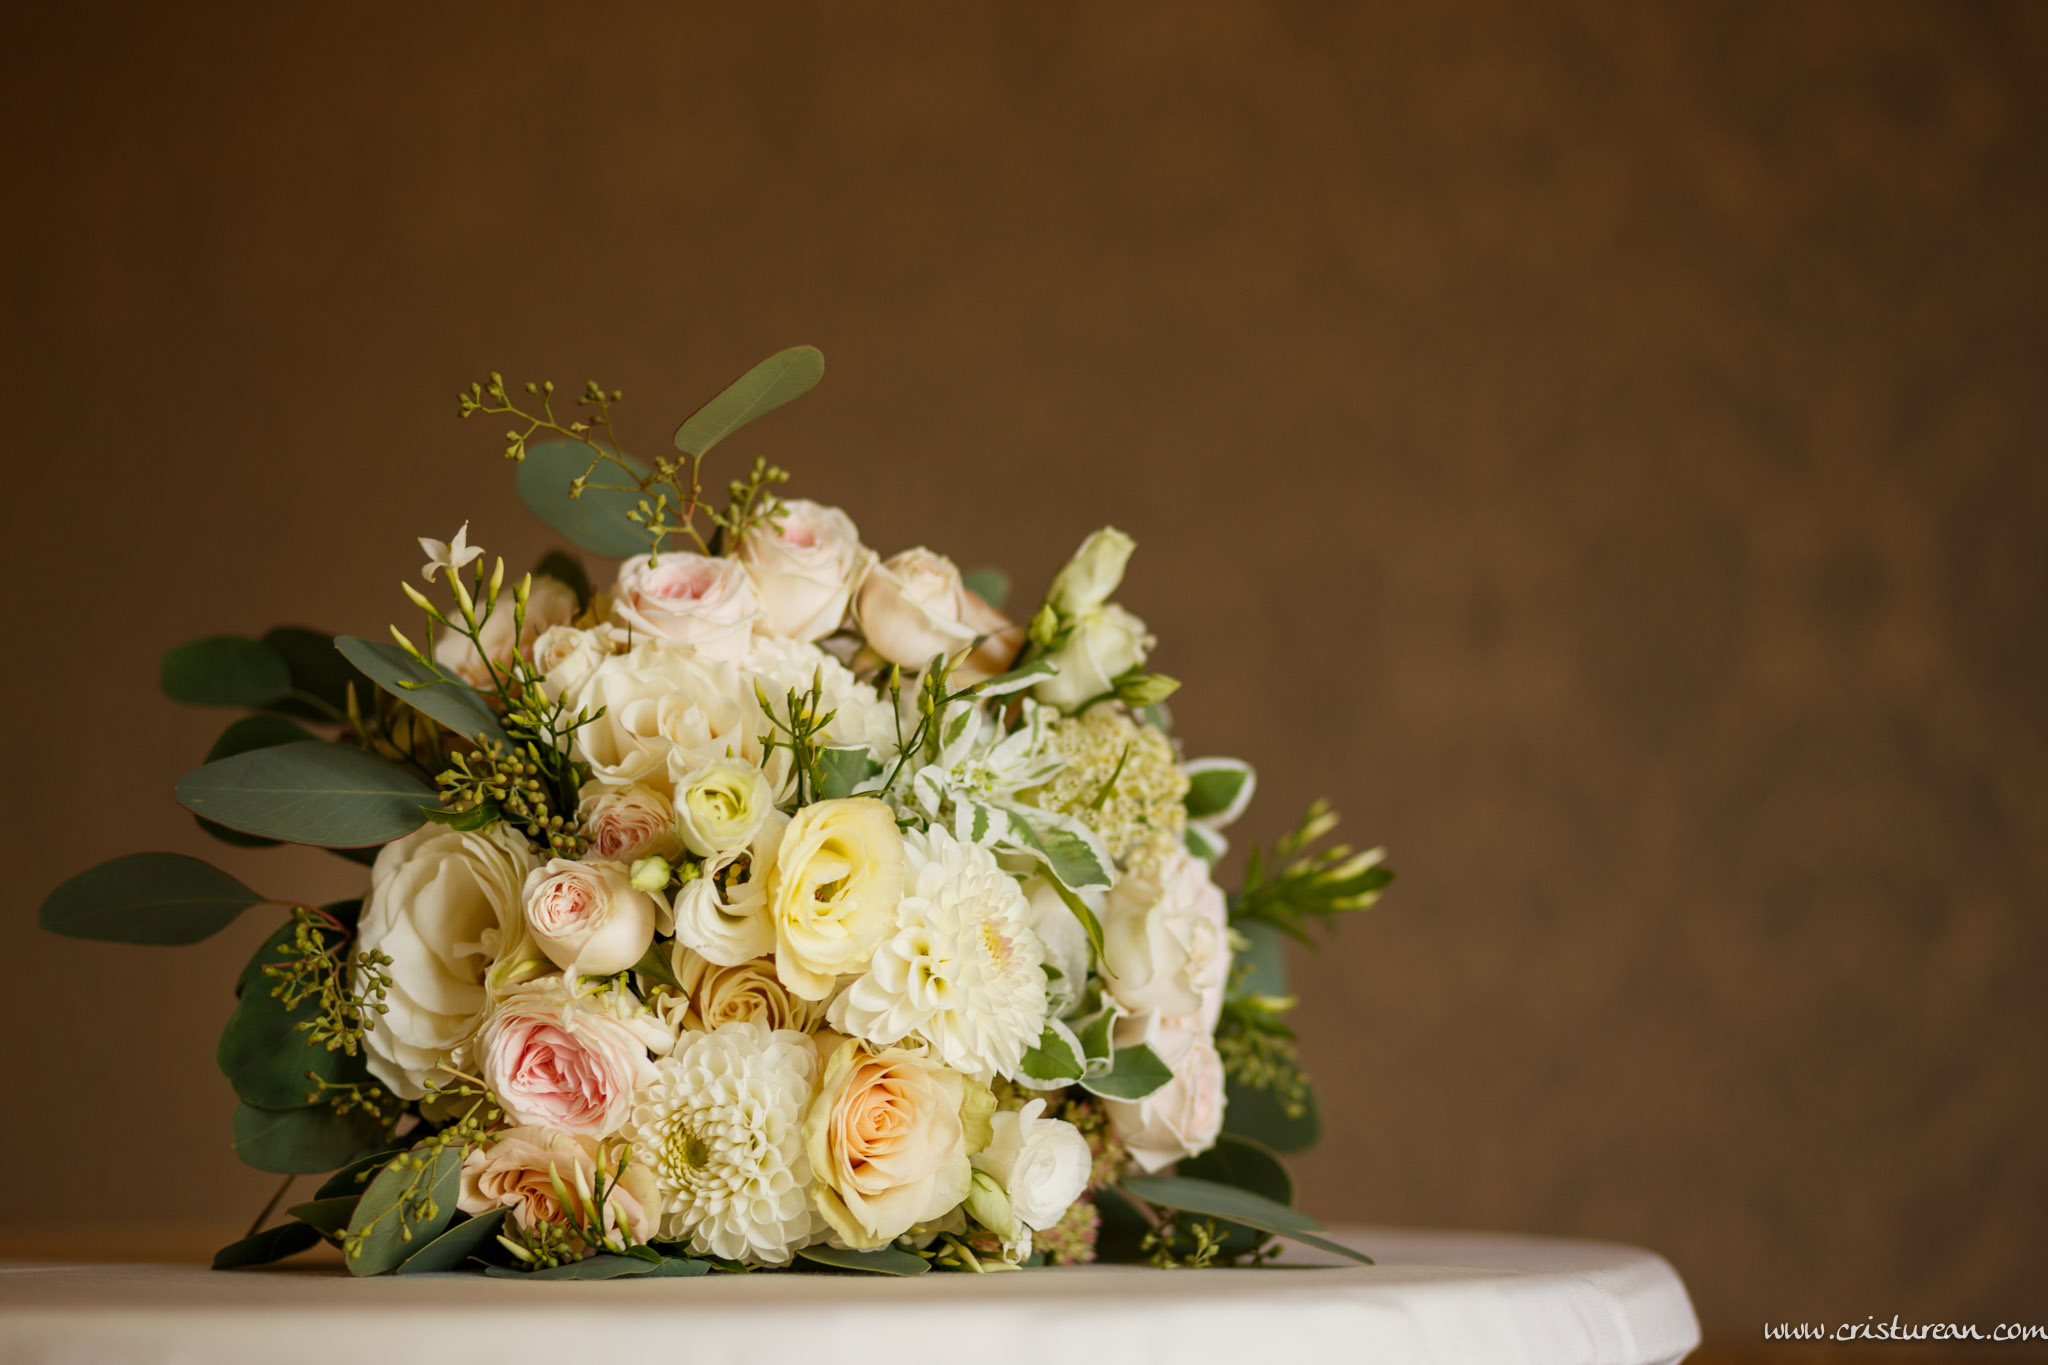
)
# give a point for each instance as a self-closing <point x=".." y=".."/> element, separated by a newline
<point x="833" y="894"/>
<point x="890" y="1138"/>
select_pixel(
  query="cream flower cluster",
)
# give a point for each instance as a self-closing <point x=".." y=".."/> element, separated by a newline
<point x="810" y="943"/>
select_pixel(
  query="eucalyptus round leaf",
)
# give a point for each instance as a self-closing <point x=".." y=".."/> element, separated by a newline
<point x="1242" y="1164"/>
<point x="775" y="381"/>
<point x="1258" y="1114"/>
<point x="316" y="793"/>
<point x="880" y="1261"/>
<point x="271" y="1244"/>
<point x="456" y="1245"/>
<point x="320" y="675"/>
<point x="154" y="898"/>
<point x="328" y="1215"/>
<point x="1235" y="1206"/>
<point x="224" y="670"/>
<point x="355" y="1177"/>
<point x="263" y="1052"/>
<point x="596" y="1268"/>
<point x="246" y="734"/>
<point x="597" y="520"/>
<point x="303" y="1141"/>
<point x="441" y="696"/>
<point x="391" y="1217"/>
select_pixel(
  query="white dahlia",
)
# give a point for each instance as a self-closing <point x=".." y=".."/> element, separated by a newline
<point x="721" y="1127"/>
<point x="962" y="972"/>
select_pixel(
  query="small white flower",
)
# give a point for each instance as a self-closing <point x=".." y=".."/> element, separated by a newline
<point x="1041" y="1163"/>
<point x="451" y="555"/>
<point x="721" y="1126"/>
<point x="962" y="971"/>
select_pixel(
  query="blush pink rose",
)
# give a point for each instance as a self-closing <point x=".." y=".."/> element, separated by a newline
<point x="556" y="1064"/>
<point x="708" y="604"/>
<point x="804" y="566"/>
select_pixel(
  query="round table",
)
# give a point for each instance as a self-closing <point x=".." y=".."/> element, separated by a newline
<point x="1448" y="1297"/>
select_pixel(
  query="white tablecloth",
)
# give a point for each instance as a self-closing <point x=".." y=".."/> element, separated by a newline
<point x="1445" y="1298"/>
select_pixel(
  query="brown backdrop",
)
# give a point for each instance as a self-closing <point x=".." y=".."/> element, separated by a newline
<point x="1599" y="445"/>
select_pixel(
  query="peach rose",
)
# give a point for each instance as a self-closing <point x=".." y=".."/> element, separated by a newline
<point x="708" y="604"/>
<point x="804" y="567"/>
<point x="890" y="1137"/>
<point x="747" y="993"/>
<point x="513" y="1173"/>
<point x="554" y="1063"/>
<point x="914" y="606"/>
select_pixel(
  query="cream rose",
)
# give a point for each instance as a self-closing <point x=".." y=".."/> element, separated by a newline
<point x="889" y="1138"/>
<point x="913" y="607"/>
<point x="565" y="657"/>
<point x="1105" y="643"/>
<point x="444" y="905"/>
<point x="1041" y="1163"/>
<point x="695" y="600"/>
<point x="587" y="917"/>
<point x="1166" y="941"/>
<point x="749" y="992"/>
<point x="514" y="1172"/>
<point x="833" y="893"/>
<point x="667" y="712"/>
<point x="804" y="568"/>
<point x="549" y="603"/>
<point x="556" y="1063"/>
<point x="1182" y="1117"/>
<point x="626" y="824"/>
<point x="722" y="912"/>
<point x="721" y="807"/>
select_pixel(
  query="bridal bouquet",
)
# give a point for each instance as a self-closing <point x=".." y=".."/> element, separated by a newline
<point x="774" y="905"/>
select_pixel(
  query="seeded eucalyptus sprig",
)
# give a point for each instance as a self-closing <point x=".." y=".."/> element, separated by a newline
<point x="318" y="970"/>
<point x="1290" y="888"/>
<point x="1258" y="1049"/>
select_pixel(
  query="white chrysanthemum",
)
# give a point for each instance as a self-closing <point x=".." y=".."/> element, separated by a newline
<point x="861" y="718"/>
<point x="721" y="1127"/>
<point x="962" y="971"/>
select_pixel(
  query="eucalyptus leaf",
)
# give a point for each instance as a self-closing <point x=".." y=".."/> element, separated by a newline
<point x="263" y="1052"/>
<point x="1242" y="1164"/>
<point x="387" y="1221"/>
<point x="678" y="1268"/>
<point x="596" y="521"/>
<point x="320" y="676"/>
<point x="271" y="1244"/>
<point x="317" y="793"/>
<point x="224" y="670"/>
<point x="1263" y="961"/>
<point x="596" y="1268"/>
<point x="990" y="585"/>
<point x="880" y="1261"/>
<point x="775" y="381"/>
<point x="1135" y="1073"/>
<point x="1250" y="1210"/>
<point x="355" y="1177"/>
<point x="1256" y="1113"/>
<point x="330" y="1216"/>
<point x="456" y="1245"/>
<point x="153" y="898"/>
<point x="842" y="770"/>
<point x="303" y="1141"/>
<point x="428" y="690"/>
<point x="246" y="734"/>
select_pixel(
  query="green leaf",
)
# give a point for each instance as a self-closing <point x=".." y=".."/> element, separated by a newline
<point x="320" y="675"/>
<point x="597" y="521"/>
<point x="1244" y="1165"/>
<point x="1067" y="855"/>
<point x="153" y="898"/>
<point x="224" y="670"/>
<point x="355" y="1177"/>
<point x="439" y="695"/>
<point x="327" y="794"/>
<point x="841" y="770"/>
<point x="990" y="585"/>
<point x="1263" y="961"/>
<point x="330" y="1216"/>
<point x="678" y="1268"/>
<point x="1053" y="1059"/>
<point x="880" y="1261"/>
<point x="1205" y="844"/>
<point x="1135" y="1073"/>
<point x="1252" y="1112"/>
<point x="654" y="964"/>
<point x="596" y="1268"/>
<point x="271" y="1244"/>
<point x="456" y="1245"/>
<point x="1017" y="679"/>
<point x="568" y="570"/>
<point x="1096" y="1043"/>
<point x="246" y="734"/>
<point x="303" y="1141"/>
<point x="384" y="1219"/>
<point x="775" y="381"/>
<point x="1235" y="1206"/>
<point x="263" y="1053"/>
<point x="1218" y="788"/>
